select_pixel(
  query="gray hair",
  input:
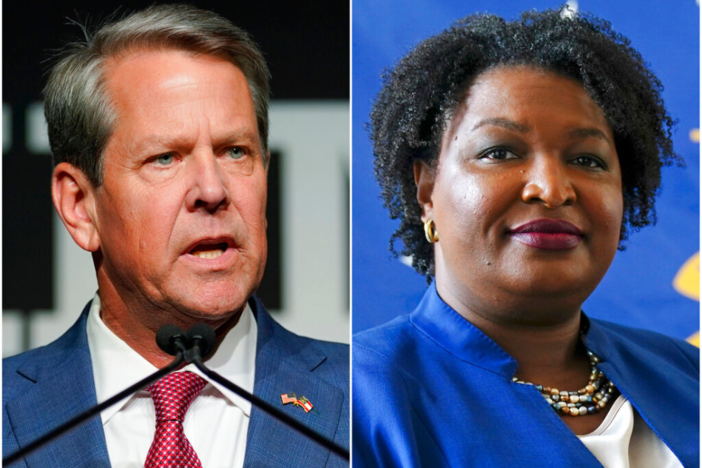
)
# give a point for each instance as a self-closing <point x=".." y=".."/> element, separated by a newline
<point x="80" y="116"/>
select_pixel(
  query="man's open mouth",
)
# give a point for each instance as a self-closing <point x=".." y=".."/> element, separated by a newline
<point x="209" y="251"/>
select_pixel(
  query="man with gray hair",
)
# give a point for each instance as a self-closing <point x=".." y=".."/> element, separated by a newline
<point x="158" y="125"/>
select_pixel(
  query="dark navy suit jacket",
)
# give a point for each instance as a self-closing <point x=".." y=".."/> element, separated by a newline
<point x="430" y="389"/>
<point x="46" y="387"/>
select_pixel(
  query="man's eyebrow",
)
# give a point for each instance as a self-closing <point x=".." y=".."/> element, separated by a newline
<point x="150" y="142"/>
<point x="501" y="122"/>
<point x="244" y="134"/>
<point x="582" y="133"/>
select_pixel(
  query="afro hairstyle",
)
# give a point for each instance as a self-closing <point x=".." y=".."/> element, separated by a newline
<point x="421" y="93"/>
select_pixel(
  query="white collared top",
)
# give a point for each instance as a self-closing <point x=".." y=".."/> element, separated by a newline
<point x="624" y="440"/>
<point x="217" y="421"/>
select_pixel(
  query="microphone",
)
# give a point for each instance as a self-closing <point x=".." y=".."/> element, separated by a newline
<point x="190" y="347"/>
<point x="169" y="338"/>
<point x="201" y="338"/>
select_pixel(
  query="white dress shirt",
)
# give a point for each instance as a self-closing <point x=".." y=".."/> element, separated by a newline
<point x="624" y="440"/>
<point x="215" y="424"/>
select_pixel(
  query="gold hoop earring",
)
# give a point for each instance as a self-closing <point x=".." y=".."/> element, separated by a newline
<point x="430" y="231"/>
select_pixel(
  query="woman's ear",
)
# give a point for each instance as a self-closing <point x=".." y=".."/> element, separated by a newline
<point x="74" y="200"/>
<point x="424" y="180"/>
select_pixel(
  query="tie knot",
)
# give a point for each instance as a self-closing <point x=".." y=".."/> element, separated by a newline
<point x="173" y="394"/>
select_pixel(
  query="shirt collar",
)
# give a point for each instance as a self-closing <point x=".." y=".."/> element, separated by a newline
<point x="595" y="339"/>
<point x="458" y="336"/>
<point x="116" y="365"/>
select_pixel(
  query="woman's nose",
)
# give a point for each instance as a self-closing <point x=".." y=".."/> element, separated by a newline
<point x="548" y="182"/>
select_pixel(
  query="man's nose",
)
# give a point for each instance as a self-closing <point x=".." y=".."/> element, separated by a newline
<point x="548" y="182"/>
<point x="208" y="184"/>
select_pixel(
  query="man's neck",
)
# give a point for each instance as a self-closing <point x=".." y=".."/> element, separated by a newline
<point x="137" y="324"/>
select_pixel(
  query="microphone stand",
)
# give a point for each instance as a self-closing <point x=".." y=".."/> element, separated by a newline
<point x="194" y="356"/>
<point x="83" y="417"/>
<point x="190" y="352"/>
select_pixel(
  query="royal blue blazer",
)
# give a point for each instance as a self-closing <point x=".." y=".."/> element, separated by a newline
<point x="430" y="389"/>
<point x="46" y="387"/>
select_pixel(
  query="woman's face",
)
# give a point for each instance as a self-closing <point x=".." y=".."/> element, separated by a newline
<point x="527" y="196"/>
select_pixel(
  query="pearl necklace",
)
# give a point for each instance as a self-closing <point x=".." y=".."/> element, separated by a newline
<point x="588" y="400"/>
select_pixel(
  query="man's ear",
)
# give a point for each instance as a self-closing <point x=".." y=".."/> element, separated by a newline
<point x="424" y="180"/>
<point x="74" y="200"/>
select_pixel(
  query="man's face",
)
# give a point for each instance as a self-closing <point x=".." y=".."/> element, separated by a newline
<point x="181" y="213"/>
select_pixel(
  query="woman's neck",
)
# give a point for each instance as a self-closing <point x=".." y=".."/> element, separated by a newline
<point x="549" y="352"/>
<point x="542" y="334"/>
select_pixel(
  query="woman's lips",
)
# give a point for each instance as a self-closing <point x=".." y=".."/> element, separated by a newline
<point x="548" y="234"/>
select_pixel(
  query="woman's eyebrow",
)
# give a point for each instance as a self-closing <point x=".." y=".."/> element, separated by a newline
<point x="576" y="133"/>
<point x="581" y="133"/>
<point x="502" y="122"/>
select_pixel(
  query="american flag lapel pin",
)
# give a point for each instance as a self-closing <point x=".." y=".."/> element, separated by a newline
<point x="288" y="398"/>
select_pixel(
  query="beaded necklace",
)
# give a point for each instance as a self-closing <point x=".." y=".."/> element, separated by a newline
<point x="588" y="400"/>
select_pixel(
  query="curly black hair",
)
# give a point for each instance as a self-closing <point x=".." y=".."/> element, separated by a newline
<point x="421" y="93"/>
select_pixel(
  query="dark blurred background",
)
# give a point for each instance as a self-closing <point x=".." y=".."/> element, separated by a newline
<point x="306" y="45"/>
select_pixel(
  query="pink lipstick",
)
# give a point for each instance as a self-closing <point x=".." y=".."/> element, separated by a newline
<point x="548" y="234"/>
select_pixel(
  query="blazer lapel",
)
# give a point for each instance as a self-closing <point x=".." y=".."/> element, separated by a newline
<point x="285" y="364"/>
<point x="60" y="386"/>
<point x="628" y="363"/>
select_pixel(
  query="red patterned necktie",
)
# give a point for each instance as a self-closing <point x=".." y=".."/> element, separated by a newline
<point x="172" y="397"/>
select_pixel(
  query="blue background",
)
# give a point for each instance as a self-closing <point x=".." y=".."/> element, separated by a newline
<point x="638" y="289"/>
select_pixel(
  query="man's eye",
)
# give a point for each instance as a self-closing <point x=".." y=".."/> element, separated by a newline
<point x="589" y="161"/>
<point x="165" y="159"/>
<point x="498" y="154"/>
<point x="236" y="152"/>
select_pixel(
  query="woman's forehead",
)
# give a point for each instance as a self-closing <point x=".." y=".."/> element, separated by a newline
<point x="513" y="96"/>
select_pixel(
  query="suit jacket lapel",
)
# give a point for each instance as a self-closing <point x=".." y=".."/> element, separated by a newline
<point x="285" y="364"/>
<point x="60" y="385"/>
<point x="628" y="363"/>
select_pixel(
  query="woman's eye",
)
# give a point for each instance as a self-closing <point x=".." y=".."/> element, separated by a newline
<point x="589" y="161"/>
<point x="498" y="154"/>
<point x="165" y="159"/>
<point x="236" y="152"/>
